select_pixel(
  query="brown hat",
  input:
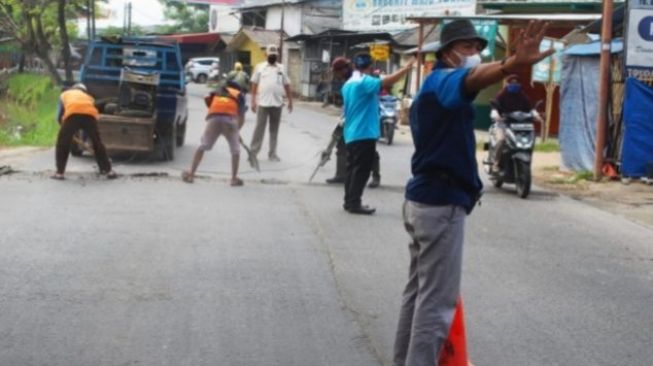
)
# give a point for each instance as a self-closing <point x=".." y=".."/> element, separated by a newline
<point x="340" y="63"/>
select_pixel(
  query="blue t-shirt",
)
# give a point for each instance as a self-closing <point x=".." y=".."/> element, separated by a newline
<point x="361" y="109"/>
<point x="442" y="124"/>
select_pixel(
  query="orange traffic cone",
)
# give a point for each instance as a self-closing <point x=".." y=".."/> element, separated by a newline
<point x="454" y="349"/>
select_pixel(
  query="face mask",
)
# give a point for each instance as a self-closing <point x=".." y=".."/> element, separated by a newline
<point x="272" y="59"/>
<point x="468" y="62"/>
<point x="513" y="88"/>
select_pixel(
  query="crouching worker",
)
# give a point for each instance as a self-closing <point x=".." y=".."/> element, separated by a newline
<point x="225" y="105"/>
<point x="77" y="111"/>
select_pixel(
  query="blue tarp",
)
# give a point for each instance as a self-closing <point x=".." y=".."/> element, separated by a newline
<point x="637" y="148"/>
<point x="579" y="90"/>
<point x="593" y="48"/>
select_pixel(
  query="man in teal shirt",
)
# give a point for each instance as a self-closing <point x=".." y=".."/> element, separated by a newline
<point x="361" y="109"/>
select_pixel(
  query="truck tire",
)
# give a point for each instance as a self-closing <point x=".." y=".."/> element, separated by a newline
<point x="202" y="78"/>
<point x="75" y="150"/>
<point x="181" y="134"/>
<point x="166" y="144"/>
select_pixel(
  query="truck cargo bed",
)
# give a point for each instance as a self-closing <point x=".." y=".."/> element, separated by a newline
<point x="123" y="133"/>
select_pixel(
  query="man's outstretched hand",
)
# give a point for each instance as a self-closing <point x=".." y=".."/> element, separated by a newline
<point x="527" y="46"/>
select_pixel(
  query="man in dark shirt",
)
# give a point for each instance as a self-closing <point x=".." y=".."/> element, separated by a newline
<point x="445" y="184"/>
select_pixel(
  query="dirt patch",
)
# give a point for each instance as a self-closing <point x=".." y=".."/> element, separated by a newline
<point x="633" y="201"/>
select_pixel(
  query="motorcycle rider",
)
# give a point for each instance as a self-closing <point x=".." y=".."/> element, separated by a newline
<point x="342" y="70"/>
<point x="511" y="98"/>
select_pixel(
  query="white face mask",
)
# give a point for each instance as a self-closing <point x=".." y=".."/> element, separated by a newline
<point x="468" y="62"/>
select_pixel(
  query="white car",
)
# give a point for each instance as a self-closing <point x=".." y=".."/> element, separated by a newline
<point x="199" y="68"/>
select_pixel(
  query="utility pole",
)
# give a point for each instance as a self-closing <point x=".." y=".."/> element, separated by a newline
<point x="604" y="87"/>
<point x="88" y="20"/>
<point x="92" y="8"/>
<point x="129" y="18"/>
<point x="283" y="13"/>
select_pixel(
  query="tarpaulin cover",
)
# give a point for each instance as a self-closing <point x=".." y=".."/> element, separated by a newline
<point x="637" y="148"/>
<point x="579" y="91"/>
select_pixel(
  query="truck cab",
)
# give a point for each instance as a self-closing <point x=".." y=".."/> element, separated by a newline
<point x="140" y="90"/>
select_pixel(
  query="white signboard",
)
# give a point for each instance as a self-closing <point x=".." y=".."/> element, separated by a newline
<point x="639" y="41"/>
<point x="383" y="15"/>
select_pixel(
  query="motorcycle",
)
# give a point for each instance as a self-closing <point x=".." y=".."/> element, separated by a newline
<point x="388" y="120"/>
<point x="516" y="155"/>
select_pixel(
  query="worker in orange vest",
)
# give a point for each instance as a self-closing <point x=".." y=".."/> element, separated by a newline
<point x="77" y="111"/>
<point x="225" y="105"/>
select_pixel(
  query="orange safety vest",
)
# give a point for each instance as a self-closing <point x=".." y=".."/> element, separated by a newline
<point x="225" y="104"/>
<point x="78" y="102"/>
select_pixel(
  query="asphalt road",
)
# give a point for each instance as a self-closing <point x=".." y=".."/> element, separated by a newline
<point x="148" y="270"/>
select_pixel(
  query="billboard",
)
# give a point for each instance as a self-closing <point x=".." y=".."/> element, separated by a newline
<point x="391" y="14"/>
<point x="542" y="71"/>
<point x="639" y="42"/>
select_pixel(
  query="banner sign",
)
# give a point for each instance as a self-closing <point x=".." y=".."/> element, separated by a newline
<point x="639" y="42"/>
<point x="392" y="14"/>
<point x="380" y="52"/>
<point x="541" y="70"/>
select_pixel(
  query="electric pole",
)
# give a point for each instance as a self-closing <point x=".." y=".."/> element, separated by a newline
<point x="283" y="11"/>
<point x="604" y="87"/>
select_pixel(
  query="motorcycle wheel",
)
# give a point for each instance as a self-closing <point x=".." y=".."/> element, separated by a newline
<point x="389" y="132"/>
<point x="497" y="183"/>
<point x="523" y="179"/>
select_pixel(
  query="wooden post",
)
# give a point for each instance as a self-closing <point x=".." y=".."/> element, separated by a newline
<point x="550" y="91"/>
<point x="604" y="79"/>
<point x="420" y="42"/>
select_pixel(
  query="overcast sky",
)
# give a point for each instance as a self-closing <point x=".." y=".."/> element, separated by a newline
<point x="144" y="13"/>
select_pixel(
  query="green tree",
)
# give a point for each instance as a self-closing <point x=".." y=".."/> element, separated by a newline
<point x="187" y="18"/>
<point x="112" y="31"/>
<point x="42" y="27"/>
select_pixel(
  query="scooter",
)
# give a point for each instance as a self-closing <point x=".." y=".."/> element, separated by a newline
<point x="388" y="121"/>
<point x="516" y="155"/>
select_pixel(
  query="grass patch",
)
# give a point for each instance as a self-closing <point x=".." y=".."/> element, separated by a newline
<point x="29" y="111"/>
<point x="549" y="146"/>
<point x="575" y="178"/>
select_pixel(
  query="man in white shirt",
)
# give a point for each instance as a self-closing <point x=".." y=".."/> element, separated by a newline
<point x="269" y="83"/>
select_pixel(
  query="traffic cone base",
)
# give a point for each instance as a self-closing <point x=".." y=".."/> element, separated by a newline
<point x="454" y="349"/>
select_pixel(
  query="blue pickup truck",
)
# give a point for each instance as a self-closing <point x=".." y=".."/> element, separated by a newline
<point x="140" y="90"/>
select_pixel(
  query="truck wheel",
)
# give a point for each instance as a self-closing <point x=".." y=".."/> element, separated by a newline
<point x="181" y="134"/>
<point x="166" y="144"/>
<point x="201" y="78"/>
<point x="75" y="149"/>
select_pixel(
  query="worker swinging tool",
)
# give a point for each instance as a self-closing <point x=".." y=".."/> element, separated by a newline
<point x="325" y="156"/>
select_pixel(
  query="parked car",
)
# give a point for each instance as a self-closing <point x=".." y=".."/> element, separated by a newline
<point x="199" y="68"/>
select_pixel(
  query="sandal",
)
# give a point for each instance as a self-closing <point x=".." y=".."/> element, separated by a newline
<point x="57" y="176"/>
<point x="237" y="182"/>
<point x="186" y="177"/>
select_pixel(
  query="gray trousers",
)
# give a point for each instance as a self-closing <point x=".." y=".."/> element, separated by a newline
<point x="262" y="115"/>
<point x="429" y="300"/>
